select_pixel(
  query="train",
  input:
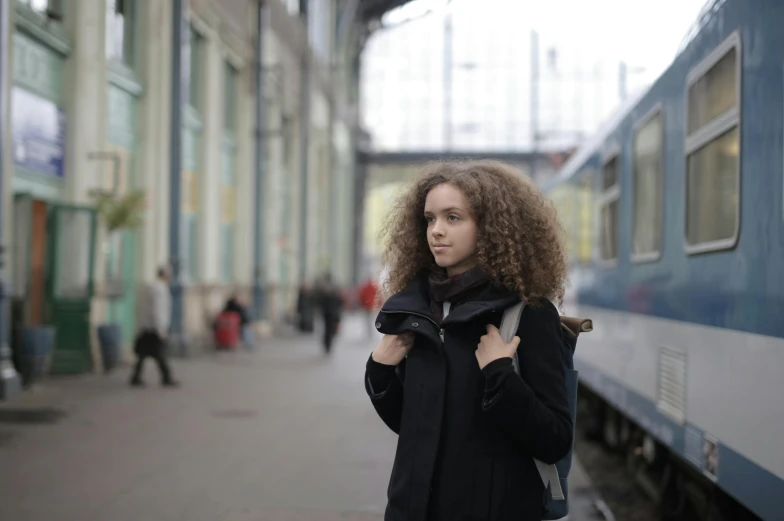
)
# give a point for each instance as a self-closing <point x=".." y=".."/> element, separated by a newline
<point x="674" y="215"/>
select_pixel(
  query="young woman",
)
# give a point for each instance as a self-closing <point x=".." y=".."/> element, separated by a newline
<point x="464" y="243"/>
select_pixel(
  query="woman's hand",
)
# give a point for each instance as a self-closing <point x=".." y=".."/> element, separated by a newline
<point x="492" y="347"/>
<point x="393" y="349"/>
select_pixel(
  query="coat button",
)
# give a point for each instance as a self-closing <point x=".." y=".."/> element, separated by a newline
<point x="415" y="324"/>
<point x="378" y="325"/>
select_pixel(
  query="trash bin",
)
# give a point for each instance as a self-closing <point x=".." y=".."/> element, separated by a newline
<point x="109" y="338"/>
<point x="36" y="347"/>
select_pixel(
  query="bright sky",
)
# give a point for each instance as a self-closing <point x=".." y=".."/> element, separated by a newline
<point x="642" y="33"/>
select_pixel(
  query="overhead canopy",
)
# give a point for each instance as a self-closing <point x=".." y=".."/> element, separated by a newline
<point x="374" y="9"/>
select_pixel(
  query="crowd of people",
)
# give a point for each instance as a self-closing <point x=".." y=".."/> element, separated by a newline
<point x="232" y="326"/>
<point x="328" y="301"/>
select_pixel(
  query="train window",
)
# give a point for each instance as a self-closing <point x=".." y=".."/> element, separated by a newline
<point x="713" y="150"/>
<point x="714" y="93"/>
<point x="610" y="174"/>
<point x="585" y="230"/>
<point x="608" y="210"/>
<point x="648" y="181"/>
<point x="563" y="198"/>
<point x="712" y="191"/>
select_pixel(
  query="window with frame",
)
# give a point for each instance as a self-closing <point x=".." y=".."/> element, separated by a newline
<point x="648" y="188"/>
<point x="189" y="224"/>
<point x="190" y="267"/>
<point x="713" y="150"/>
<point x="563" y="199"/>
<point x="230" y="93"/>
<point x="43" y="6"/>
<point x="608" y="209"/>
<point x="228" y="173"/>
<point x="228" y="213"/>
<point x="585" y="226"/>
<point x="20" y="259"/>
<point x="120" y="30"/>
<point x="194" y="87"/>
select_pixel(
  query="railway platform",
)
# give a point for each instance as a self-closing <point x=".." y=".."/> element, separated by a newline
<point x="281" y="434"/>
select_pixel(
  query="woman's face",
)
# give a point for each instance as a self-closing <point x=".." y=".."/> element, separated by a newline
<point x="451" y="229"/>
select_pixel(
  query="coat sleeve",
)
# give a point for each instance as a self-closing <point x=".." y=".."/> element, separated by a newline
<point x="384" y="386"/>
<point x="532" y="407"/>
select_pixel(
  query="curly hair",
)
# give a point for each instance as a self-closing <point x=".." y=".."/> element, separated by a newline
<point x="520" y="242"/>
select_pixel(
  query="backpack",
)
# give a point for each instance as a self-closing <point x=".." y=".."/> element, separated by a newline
<point x="554" y="477"/>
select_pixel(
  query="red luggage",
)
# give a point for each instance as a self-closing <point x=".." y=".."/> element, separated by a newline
<point x="227" y="330"/>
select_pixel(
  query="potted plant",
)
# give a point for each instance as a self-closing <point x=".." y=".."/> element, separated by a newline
<point x="36" y="342"/>
<point x="117" y="213"/>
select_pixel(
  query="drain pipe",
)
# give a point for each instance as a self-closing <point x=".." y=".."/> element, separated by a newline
<point x="304" y="141"/>
<point x="258" y="217"/>
<point x="180" y="78"/>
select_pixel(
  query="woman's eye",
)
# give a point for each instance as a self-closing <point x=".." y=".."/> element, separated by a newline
<point x="453" y="217"/>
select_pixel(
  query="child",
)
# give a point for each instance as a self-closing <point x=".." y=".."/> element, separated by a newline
<point x="465" y="242"/>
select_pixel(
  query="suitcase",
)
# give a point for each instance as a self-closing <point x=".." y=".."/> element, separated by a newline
<point x="227" y="330"/>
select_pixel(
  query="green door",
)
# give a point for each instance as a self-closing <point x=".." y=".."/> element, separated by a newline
<point x="70" y="286"/>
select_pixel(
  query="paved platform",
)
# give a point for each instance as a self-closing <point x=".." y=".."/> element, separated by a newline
<point x="281" y="434"/>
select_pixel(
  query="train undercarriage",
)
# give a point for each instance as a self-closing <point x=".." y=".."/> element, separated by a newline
<point x="678" y="491"/>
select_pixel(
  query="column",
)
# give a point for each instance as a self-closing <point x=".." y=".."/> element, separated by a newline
<point x="85" y="81"/>
<point x="155" y="70"/>
<point x="210" y="172"/>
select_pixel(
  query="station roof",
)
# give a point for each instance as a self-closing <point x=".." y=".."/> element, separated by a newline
<point x="375" y="9"/>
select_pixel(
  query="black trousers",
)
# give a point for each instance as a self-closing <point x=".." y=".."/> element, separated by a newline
<point x="150" y="345"/>
<point x="331" y="325"/>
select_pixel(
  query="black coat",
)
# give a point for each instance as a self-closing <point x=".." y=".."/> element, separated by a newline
<point x="232" y="306"/>
<point x="330" y="301"/>
<point x="467" y="437"/>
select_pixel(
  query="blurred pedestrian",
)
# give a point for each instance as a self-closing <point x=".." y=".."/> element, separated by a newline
<point x="330" y="302"/>
<point x="368" y="296"/>
<point x="153" y="323"/>
<point x="236" y="304"/>
<point x="305" y="308"/>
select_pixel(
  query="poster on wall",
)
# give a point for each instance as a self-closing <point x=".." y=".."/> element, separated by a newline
<point x="38" y="132"/>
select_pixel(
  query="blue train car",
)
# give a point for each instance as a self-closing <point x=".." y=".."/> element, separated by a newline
<point x="675" y="214"/>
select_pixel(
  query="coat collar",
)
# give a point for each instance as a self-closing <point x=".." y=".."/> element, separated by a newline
<point x="415" y="299"/>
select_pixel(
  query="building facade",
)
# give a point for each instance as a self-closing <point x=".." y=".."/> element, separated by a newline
<point x="89" y="110"/>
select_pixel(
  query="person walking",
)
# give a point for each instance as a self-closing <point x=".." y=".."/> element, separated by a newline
<point x="154" y="321"/>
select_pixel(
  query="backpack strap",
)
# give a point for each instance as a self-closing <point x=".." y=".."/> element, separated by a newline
<point x="509" y="324"/>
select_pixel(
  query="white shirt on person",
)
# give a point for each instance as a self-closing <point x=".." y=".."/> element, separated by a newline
<point x="155" y="309"/>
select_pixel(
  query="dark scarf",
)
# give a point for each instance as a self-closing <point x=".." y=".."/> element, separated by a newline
<point x="454" y="289"/>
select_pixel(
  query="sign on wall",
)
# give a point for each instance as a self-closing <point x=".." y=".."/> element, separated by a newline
<point x="38" y="133"/>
